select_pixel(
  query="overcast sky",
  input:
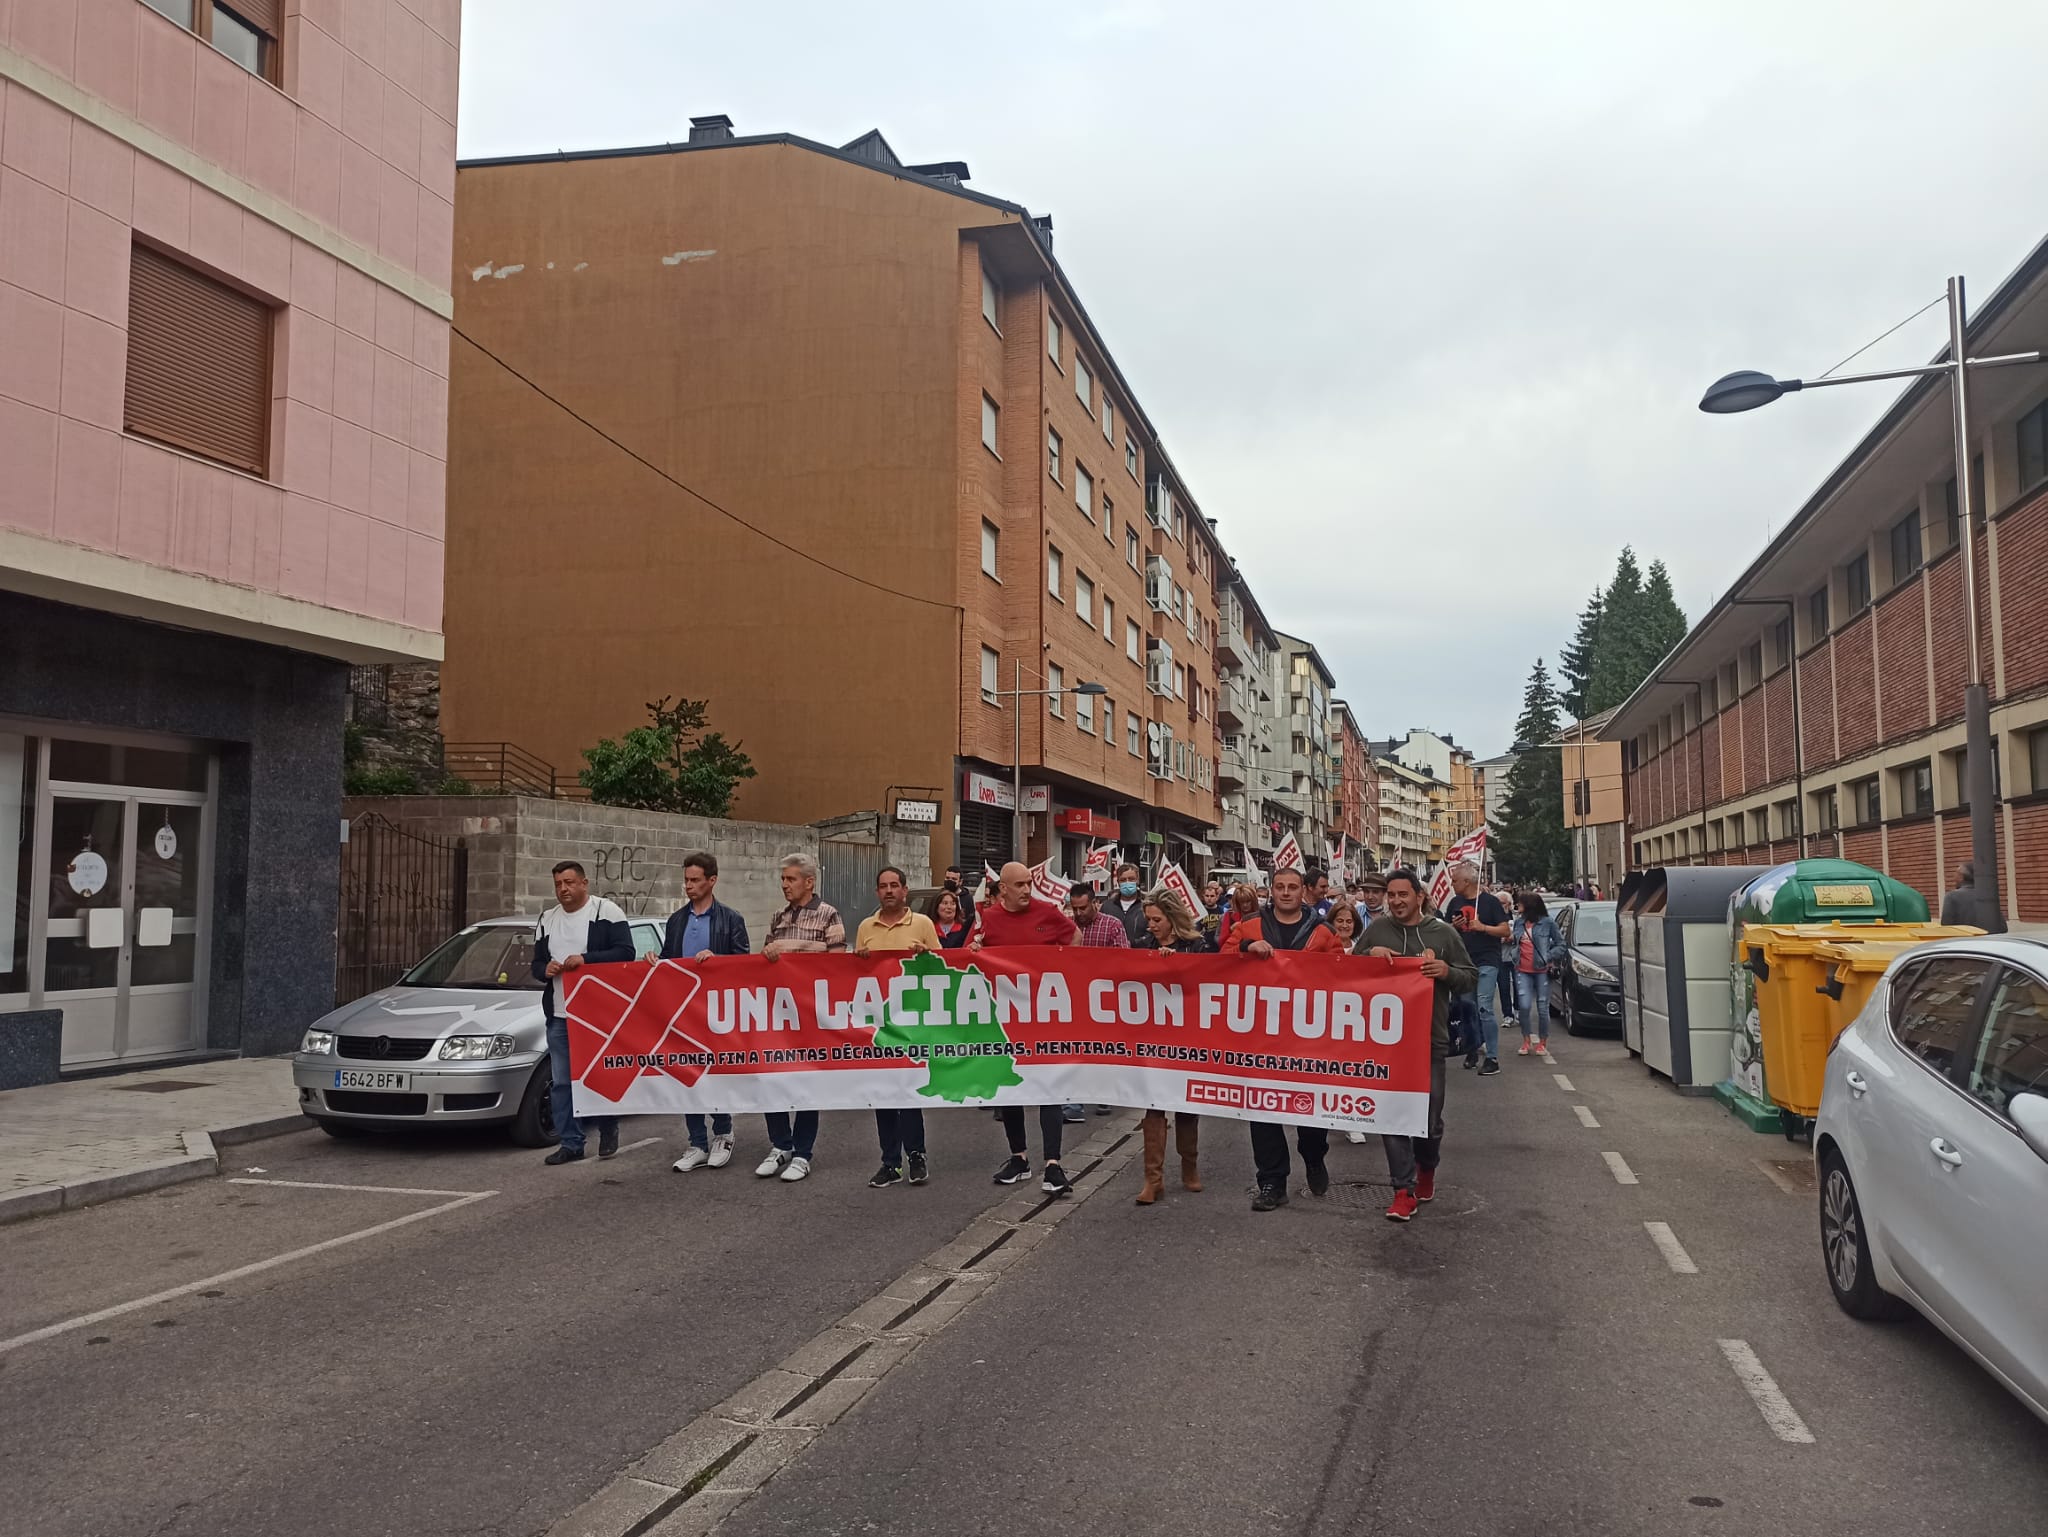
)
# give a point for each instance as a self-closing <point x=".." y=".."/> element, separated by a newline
<point x="1421" y="297"/>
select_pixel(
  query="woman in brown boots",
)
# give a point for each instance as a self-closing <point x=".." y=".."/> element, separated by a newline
<point x="1171" y="928"/>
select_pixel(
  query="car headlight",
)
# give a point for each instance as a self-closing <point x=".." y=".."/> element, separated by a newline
<point x="1592" y="970"/>
<point x="475" y="1048"/>
<point x="319" y="1043"/>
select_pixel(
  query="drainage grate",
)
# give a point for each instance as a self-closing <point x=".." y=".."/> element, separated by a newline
<point x="160" y="1086"/>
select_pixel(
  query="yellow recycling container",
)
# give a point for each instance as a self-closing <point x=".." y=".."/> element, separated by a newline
<point x="1812" y="979"/>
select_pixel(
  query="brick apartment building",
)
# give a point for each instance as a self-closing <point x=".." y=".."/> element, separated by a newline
<point x="915" y="476"/>
<point x="1818" y="706"/>
<point x="224" y="261"/>
<point x="1357" y="808"/>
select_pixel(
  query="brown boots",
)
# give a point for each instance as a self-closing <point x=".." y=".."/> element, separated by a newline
<point x="1186" y="1131"/>
<point x="1155" y="1157"/>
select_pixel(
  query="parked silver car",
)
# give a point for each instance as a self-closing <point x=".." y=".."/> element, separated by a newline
<point x="459" y="1038"/>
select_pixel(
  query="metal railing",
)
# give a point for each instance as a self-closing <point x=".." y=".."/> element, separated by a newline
<point x="505" y="768"/>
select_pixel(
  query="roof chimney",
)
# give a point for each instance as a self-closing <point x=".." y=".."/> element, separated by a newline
<point x="1044" y="223"/>
<point x="710" y="130"/>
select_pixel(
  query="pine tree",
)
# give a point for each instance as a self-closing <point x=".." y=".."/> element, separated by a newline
<point x="1666" y="620"/>
<point x="1618" y="664"/>
<point x="1575" y="664"/>
<point x="1532" y="845"/>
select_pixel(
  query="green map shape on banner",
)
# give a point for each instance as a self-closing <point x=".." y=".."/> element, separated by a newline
<point x="958" y="1079"/>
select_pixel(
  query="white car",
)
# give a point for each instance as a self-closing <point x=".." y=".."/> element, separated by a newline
<point x="1932" y="1147"/>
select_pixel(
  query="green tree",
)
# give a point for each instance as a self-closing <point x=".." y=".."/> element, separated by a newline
<point x="673" y="764"/>
<point x="1575" y="663"/>
<point x="1664" y="621"/>
<point x="1532" y="845"/>
<point x="1617" y="660"/>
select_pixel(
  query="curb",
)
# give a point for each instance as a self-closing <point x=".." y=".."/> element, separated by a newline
<point x="201" y="1161"/>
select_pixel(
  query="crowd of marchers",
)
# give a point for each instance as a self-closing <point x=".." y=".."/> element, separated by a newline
<point x="1488" y="952"/>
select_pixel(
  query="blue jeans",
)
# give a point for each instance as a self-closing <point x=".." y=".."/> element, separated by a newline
<point x="567" y="1127"/>
<point x="899" y="1132"/>
<point x="721" y="1126"/>
<point x="1489" y="1010"/>
<point x="804" y="1138"/>
<point x="1532" y="992"/>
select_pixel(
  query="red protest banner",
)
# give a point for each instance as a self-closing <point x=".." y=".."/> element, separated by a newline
<point x="1328" y="1040"/>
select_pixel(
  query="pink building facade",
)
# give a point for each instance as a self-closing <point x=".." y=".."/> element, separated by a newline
<point x="225" y="236"/>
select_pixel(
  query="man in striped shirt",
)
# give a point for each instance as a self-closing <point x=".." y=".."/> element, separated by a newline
<point x="808" y="924"/>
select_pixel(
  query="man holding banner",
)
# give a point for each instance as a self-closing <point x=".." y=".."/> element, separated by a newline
<point x="1016" y="919"/>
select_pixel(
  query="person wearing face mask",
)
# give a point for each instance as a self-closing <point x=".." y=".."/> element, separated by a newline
<point x="1127" y="906"/>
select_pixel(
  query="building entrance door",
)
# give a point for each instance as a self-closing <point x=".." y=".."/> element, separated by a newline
<point x="125" y="876"/>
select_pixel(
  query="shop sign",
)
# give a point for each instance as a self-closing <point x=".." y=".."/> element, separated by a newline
<point x="917" y="811"/>
<point x="983" y="791"/>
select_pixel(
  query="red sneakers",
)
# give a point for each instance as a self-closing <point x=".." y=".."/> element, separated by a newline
<point x="1403" y="1208"/>
<point x="1425" y="1184"/>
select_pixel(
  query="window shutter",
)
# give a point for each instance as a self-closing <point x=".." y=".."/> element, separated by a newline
<point x="198" y="363"/>
<point x="260" y="14"/>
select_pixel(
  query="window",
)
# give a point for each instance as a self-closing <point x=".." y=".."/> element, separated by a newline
<point x="1856" y="576"/>
<point x="198" y="363"/>
<point x="1084" y="491"/>
<point x="1180" y="681"/>
<point x="1133" y="639"/>
<point x="991" y="417"/>
<point x="1084" y="713"/>
<point x="1905" y="547"/>
<point x="1865" y="809"/>
<point x="1948" y="494"/>
<point x="1753" y="663"/>
<point x="991" y="547"/>
<point x="1916" y="788"/>
<point x="991" y="674"/>
<point x="991" y="301"/>
<point x="1055" y="337"/>
<point x="1109" y="618"/>
<point x="1052" y="453"/>
<point x="1133" y="737"/>
<point x="2012" y="1052"/>
<point x="2031" y="434"/>
<point x="1932" y="1010"/>
<point x="1959" y="774"/>
<point x="1055" y="685"/>
<point x="1759" y="830"/>
<point x="2037" y="758"/>
<point x="1817" y="615"/>
<point x="1130" y="456"/>
<point x="1788" y="819"/>
<point x="1108" y="419"/>
<point x="1827" y="812"/>
<point x="1109" y="520"/>
<point x="1084" y="384"/>
<point x="1781" y="642"/>
<point x="1055" y="564"/>
<point x="1084" y="600"/>
<point x="1130" y="547"/>
<point x="246" y="32"/>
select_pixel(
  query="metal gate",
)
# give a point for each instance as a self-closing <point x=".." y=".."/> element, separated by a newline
<point x="846" y="877"/>
<point x="402" y="893"/>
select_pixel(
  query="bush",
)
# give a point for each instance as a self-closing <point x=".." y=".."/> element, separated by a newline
<point x="672" y="764"/>
<point x="358" y="780"/>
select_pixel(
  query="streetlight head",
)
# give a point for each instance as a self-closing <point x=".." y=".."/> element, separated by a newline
<point x="1090" y="688"/>
<point x="1743" y="390"/>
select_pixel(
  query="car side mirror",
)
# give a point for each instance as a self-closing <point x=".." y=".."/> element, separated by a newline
<point x="2029" y="1113"/>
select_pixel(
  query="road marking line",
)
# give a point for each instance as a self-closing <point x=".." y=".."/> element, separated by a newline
<point x="630" y="1146"/>
<point x="1777" y="1177"/>
<point x="1776" y="1409"/>
<point x="1585" y="1117"/>
<point x="51" y="1331"/>
<point x="1564" y="1083"/>
<point x="1673" y="1251"/>
<point x="1623" y="1174"/>
<point x="311" y="1184"/>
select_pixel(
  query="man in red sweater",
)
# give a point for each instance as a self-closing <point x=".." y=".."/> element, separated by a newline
<point x="1289" y="924"/>
<point x="1017" y="918"/>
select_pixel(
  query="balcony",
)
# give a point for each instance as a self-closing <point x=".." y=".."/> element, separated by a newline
<point x="1232" y="707"/>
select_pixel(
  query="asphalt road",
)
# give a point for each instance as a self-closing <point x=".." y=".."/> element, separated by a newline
<point x="1522" y="1358"/>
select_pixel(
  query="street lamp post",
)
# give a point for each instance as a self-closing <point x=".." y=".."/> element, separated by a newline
<point x="1746" y="390"/>
<point x="1016" y="694"/>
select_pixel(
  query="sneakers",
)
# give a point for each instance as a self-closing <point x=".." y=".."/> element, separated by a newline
<point x="920" y="1171"/>
<point x="1105" y="1109"/>
<point x="884" y="1178"/>
<point x="1525" y="1048"/>
<point x="564" y="1155"/>
<point x="772" y="1165"/>
<point x="608" y="1141"/>
<point x="721" y="1152"/>
<point x="1073" y="1115"/>
<point x="1489" y="1067"/>
<point x="1354" y="1136"/>
<point x="695" y="1158"/>
<point x="1269" y="1198"/>
<point x="1472" y="1059"/>
<point x="799" y="1168"/>
<point x="1403" y="1209"/>
<point x="1425" y="1185"/>
<point x="1318" y="1176"/>
<point x="1018" y="1168"/>
<point x="1055" y="1181"/>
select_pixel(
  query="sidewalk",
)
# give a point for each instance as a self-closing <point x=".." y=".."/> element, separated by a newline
<point x="64" y="1145"/>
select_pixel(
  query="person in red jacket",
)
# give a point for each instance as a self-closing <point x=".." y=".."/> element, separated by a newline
<point x="1289" y="924"/>
<point x="1016" y="917"/>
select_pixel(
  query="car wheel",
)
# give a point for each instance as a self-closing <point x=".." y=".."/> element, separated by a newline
<point x="1571" y="1018"/>
<point x="343" y="1130"/>
<point x="1844" y="1250"/>
<point x="534" y="1126"/>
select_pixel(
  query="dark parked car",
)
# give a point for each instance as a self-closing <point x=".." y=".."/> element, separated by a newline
<point x="1586" y="982"/>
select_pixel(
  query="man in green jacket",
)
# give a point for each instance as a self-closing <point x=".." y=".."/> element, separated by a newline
<point x="1404" y="930"/>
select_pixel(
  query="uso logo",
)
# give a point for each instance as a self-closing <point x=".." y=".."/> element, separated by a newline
<point x="1360" y="1105"/>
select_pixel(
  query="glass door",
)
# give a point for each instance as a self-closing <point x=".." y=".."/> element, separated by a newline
<point x="85" y="963"/>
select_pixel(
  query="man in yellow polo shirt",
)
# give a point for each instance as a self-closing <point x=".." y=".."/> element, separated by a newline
<point x="894" y="926"/>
